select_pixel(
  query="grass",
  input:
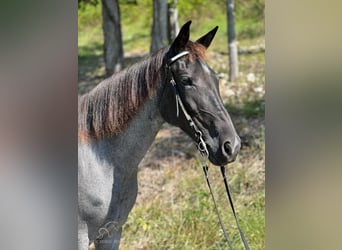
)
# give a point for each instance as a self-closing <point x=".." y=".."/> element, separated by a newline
<point x="248" y="109"/>
<point x="183" y="216"/>
<point x="176" y="211"/>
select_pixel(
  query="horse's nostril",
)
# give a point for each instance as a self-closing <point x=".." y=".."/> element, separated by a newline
<point x="228" y="148"/>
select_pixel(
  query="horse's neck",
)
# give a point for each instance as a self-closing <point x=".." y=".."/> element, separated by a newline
<point x="127" y="149"/>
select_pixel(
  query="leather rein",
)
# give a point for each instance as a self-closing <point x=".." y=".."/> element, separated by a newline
<point x="202" y="148"/>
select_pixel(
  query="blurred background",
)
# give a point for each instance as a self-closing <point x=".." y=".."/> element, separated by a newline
<point x="174" y="209"/>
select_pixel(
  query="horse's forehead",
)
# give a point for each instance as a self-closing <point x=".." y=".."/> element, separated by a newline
<point x="205" y="67"/>
<point x="198" y="66"/>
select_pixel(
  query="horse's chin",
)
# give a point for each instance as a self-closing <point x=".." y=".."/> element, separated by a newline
<point x="218" y="162"/>
<point x="216" y="158"/>
<point x="219" y="158"/>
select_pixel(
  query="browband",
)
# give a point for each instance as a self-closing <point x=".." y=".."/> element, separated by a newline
<point x="176" y="57"/>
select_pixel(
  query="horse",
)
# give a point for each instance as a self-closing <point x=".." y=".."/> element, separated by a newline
<point x="119" y="119"/>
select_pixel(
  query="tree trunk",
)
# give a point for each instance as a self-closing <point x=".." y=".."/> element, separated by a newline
<point x="173" y="20"/>
<point x="160" y="25"/>
<point x="232" y="44"/>
<point x="112" y="47"/>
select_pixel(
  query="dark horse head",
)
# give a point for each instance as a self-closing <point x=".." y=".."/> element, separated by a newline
<point x="198" y="88"/>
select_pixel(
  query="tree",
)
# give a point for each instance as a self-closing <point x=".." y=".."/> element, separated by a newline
<point x="232" y="44"/>
<point x="160" y="25"/>
<point x="112" y="47"/>
<point x="173" y="20"/>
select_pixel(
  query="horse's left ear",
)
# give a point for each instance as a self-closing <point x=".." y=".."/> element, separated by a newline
<point x="207" y="38"/>
<point x="182" y="38"/>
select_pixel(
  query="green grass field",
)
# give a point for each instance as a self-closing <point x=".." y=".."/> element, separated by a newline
<point x="174" y="209"/>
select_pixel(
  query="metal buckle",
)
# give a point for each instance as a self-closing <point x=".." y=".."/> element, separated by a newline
<point x="201" y="145"/>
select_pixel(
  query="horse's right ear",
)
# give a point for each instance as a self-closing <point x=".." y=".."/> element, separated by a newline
<point x="181" y="40"/>
<point x="207" y="38"/>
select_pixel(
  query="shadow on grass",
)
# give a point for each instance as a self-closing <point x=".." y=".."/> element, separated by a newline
<point x="88" y="54"/>
<point x="248" y="109"/>
<point x="90" y="61"/>
<point x="248" y="118"/>
<point x="172" y="145"/>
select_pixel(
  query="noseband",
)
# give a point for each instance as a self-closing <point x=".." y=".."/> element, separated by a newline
<point x="202" y="147"/>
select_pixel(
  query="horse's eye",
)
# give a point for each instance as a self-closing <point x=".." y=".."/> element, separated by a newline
<point x="186" y="81"/>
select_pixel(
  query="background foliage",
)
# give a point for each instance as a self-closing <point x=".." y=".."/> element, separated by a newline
<point x="136" y="19"/>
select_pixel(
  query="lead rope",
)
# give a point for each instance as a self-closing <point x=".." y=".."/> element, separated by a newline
<point x="204" y="152"/>
<point x="223" y="172"/>
<point x="205" y="169"/>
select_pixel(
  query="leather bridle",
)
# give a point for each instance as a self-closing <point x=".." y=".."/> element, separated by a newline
<point x="202" y="147"/>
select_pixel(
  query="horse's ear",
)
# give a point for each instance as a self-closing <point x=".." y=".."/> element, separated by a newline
<point x="207" y="38"/>
<point x="183" y="37"/>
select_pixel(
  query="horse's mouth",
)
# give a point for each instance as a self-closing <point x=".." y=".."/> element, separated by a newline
<point x="218" y="158"/>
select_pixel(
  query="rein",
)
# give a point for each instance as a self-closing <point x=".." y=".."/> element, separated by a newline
<point x="202" y="147"/>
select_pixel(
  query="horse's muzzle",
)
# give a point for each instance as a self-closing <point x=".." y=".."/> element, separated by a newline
<point x="231" y="148"/>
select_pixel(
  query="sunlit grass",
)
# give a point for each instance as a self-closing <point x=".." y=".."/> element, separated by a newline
<point x="183" y="216"/>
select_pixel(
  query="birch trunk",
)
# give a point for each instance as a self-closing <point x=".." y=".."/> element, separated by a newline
<point x="173" y="20"/>
<point x="232" y="43"/>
